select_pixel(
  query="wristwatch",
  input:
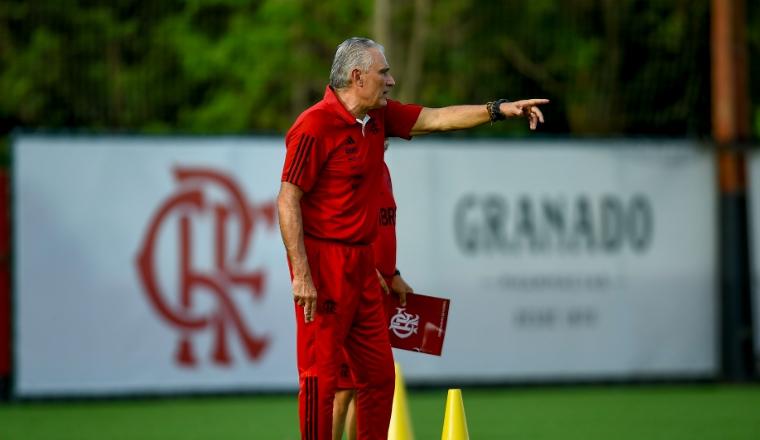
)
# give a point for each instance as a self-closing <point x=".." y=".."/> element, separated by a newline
<point x="494" y="111"/>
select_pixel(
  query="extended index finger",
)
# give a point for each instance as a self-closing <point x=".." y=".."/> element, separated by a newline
<point x="531" y="102"/>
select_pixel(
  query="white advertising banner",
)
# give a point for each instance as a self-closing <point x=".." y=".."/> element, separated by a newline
<point x="753" y="166"/>
<point x="151" y="264"/>
<point x="562" y="260"/>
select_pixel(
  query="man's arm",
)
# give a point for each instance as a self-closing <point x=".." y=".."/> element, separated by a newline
<point x="291" y="228"/>
<point x="458" y="117"/>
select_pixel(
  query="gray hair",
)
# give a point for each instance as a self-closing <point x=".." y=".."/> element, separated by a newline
<point x="351" y="54"/>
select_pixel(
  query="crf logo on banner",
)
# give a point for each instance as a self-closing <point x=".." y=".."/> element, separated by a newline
<point x="209" y="201"/>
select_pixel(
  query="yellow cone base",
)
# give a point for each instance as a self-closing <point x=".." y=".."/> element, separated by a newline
<point x="400" y="427"/>
<point x="455" y="422"/>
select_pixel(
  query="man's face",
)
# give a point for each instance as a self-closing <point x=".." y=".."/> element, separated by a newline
<point x="376" y="83"/>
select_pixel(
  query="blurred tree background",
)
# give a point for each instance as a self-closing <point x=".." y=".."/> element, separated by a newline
<point x="611" y="67"/>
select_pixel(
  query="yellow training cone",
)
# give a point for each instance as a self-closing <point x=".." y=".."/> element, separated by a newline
<point x="401" y="426"/>
<point x="454" y="422"/>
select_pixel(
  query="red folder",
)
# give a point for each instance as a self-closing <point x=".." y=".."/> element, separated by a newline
<point x="420" y="326"/>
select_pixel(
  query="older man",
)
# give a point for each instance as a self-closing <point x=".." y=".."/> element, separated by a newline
<point x="327" y="209"/>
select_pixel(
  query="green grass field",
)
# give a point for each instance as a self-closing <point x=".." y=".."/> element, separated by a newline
<point x="719" y="412"/>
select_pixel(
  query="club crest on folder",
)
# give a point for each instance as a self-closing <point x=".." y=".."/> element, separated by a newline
<point x="404" y="324"/>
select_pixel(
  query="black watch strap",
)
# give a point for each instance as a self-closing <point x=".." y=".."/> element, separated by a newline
<point x="494" y="111"/>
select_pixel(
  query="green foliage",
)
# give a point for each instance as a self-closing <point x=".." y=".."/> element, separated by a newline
<point x="244" y="64"/>
<point x="220" y="66"/>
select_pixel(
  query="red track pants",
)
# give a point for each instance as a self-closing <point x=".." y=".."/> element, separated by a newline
<point x="349" y="315"/>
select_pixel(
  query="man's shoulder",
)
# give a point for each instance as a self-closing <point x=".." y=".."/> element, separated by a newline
<point x="319" y="113"/>
<point x="393" y="105"/>
<point x="317" y="120"/>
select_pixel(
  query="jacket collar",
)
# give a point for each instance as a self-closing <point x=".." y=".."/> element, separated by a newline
<point x="332" y="101"/>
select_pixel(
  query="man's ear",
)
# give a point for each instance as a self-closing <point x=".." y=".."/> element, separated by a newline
<point x="356" y="76"/>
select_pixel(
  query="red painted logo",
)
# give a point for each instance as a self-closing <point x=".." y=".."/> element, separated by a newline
<point x="206" y="196"/>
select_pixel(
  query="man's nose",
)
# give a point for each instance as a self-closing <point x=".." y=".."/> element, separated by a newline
<point x="390" y="82"/>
